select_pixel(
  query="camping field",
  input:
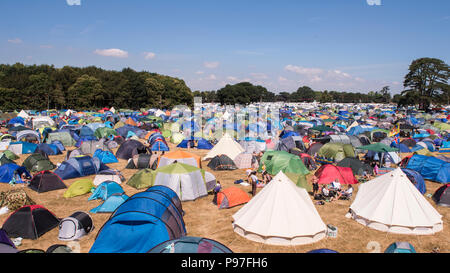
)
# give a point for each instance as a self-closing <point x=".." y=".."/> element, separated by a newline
<point x="204" y="219"/>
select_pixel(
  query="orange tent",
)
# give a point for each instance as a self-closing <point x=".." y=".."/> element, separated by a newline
<point x="131" y="122"/>
<point x="179" y="156"/>
<point x="231" y="197"/>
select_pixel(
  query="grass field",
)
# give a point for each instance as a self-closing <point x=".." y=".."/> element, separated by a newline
<point x="204" y="219"/>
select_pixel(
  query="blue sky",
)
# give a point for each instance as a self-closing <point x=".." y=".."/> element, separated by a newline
<point x="344" y="45"/>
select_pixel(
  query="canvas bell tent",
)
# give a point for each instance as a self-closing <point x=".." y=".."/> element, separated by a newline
<point x="386" y="202"/>
<point x="296" y="221"/>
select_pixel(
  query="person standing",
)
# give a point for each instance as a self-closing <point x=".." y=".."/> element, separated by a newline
<point x="253" y="179"/>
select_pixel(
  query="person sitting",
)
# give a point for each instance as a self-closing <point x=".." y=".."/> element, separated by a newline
<point x="345" y="195"/>
<point x="265" y="175"/>
<point x="336" y="185"/>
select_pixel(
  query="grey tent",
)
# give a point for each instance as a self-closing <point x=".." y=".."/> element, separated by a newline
<point x="75" y="226"/>
<point x="64" y="137"/>
<point x="89" y="147"/>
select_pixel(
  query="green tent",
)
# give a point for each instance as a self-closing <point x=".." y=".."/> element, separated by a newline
<point x="277" y="161"/>
<point x="9" y="155"/>
<point x="79" y="187"/>
<point x="104" y="132"/>
<point x="300" y="180"/>
<point x="322" y="128"/>
<point x="5" y="160"/>
<point x="37" y="162"/>
<point x="141" y="179"/>
<point x="336" y="151"/>
<point x="176" y="138"/>
<point x="378" y="147"/>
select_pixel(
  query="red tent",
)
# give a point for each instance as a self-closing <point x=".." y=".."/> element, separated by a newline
<point x="328" y="173"/>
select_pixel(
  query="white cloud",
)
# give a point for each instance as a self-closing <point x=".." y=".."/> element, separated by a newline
<point x="73" y="2"/>
<point x="232" y="79"/>
<point x="303" y="70"/>
<point x="211" y="77"/>
<point x="282" y="79"/>
<point x="373" y="2"/>
<point x="112" y="52"/>
<point x="340" y="73"/>
<point x="15" y="41"/>
<point x="149" y="55"/>
<point x="199" y="72"/>
<point x="211" y="64"/>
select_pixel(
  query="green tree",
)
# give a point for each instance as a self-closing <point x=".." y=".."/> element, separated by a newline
<point x="426" y="80"/>
<point x="85" y="93"/>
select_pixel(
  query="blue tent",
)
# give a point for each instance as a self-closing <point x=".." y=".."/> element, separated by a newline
<point x="23" y="148"/>
<point x="86" y="131"/>
<point x="49" y="149"/>
<point x="58" y="144"/>
<point x="143" y="221"/>
<point x="79" y="166"/>
<point x="12" y="173"/>
<point x="417" y="179"/>
<point x="201" y="143"/>
<point x="105" y="157"/>
<point x="17" y="120"/>
<point x="159" y="146"/>
<point x="445" y="147"/>
<point x="400" y="247"/>
<point x="322" y="250"/>
<point x="111" y="203"/>
<point x="105" y="190"/>
<point x="189" y="244"/>
<point x="357" y="130"/>
<point x="430" y="168"/>
<point x="402" y="147"/>
<point x="123" y="131"/>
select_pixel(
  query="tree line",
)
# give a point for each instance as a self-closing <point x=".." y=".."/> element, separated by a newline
<point x="245" y="92"/>
<point x="41" y="87"/>
<point x="426" y="83"/>
<point x="46" y="87"/>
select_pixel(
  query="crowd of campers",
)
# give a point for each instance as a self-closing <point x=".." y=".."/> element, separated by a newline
<point x="292" y="158"/>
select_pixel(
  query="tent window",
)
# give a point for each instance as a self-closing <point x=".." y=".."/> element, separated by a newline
<point x="270" y="157"/>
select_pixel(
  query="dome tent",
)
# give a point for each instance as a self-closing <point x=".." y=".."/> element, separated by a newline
<point x="45" y="181"/>
<point x="79" y="166"/>
<point x="77" y="225"/>
<point x="231" y="197"/>
<point x="157" y="211"/>
<point x="130" y="148"/>
<point x="295" y="222"/>
<point x="189" y="244"/>
<point x="111" y="203"/>
<point x="400" y="247"/>
<point x="221" y="163"/>
<point x="277" y="161"/>
<point x="143" y="161"/>
<point x="442" y="196"/>
<point x="30" y="222"/>
<point x="37" y="163"/>
<point x="105" y="190"/>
